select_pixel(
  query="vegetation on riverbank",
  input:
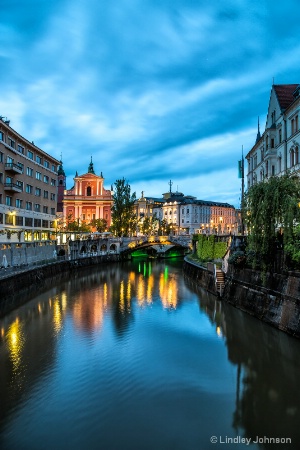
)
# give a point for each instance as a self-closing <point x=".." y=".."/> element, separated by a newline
<point x="272" y="218"/>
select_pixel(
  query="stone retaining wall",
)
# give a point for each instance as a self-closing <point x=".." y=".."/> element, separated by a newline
<point x="201" y="275"/>
<point x="274" y="300"/>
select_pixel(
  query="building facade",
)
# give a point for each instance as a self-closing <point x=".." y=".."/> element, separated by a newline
<point x="187" y="215"/>
<point x="276" y="150"/>
<point x="28" y="189"/>
<point x="88" y="200"/>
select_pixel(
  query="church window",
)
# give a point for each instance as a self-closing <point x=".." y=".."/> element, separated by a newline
<point x="89" y="191"/>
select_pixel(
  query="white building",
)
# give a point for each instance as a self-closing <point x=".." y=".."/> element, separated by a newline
<point x="276" y="151"/>
<point x="187" y="215"/>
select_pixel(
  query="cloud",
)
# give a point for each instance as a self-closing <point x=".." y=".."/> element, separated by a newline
<point x="153" y="91"/>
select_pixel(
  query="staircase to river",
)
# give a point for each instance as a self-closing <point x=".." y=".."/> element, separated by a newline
<point x="219" y="280"/>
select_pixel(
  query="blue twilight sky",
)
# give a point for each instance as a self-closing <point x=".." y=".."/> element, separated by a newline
<point x="153" y="89"/>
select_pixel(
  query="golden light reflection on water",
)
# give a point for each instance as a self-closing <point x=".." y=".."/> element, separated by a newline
<point x="219" y="332"/>
<point x="57" y="316"/>
<point x="168" y="289"/>
<point x="90" y="307"/>
<point x="122" y="302"/>
<point x="141" y="290"/>
<point x="128" y="293"/>
<point x="15" y="342"/>
<point x="150" y="287"/>
<point x="105" y="295"/>
<point x="64" y="301"/>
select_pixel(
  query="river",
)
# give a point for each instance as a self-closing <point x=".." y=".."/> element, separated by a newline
<point x="136" y="356"/>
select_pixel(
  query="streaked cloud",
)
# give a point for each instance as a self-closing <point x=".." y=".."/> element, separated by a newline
<point x="153" y="91"/>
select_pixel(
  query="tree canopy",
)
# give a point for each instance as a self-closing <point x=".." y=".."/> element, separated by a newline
<point x="99" y="224"/>
<point x="124" y="219"/>
<point x="272" y="212"/>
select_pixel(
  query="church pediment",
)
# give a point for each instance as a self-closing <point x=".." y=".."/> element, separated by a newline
<point x="90" y="176"/>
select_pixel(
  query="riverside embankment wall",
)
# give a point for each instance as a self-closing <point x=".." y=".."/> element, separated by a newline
<point x="274" y="298"/>
<point x="16" y="288"/>
<point x="202" y="276"/>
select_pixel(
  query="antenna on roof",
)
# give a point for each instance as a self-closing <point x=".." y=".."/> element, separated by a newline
<point x="273" y="81"/>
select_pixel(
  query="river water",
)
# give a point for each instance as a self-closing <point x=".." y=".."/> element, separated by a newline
<point x="135" y="356"/>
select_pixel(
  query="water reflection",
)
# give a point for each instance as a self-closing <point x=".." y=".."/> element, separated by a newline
<point x="154" y="332"/>
<point x="15" y="342"/>
<point x="268" y="368"/>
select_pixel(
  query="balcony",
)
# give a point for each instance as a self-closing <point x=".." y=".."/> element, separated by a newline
<point x="12" y="187"/>
<point x="12" y="167"/>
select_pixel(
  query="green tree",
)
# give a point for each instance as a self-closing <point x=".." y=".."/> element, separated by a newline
<point x="99" y="224"/>
<point x="124" y="220"/>
<point x="74" y="225"/>
<point x="272" y="208"/>
<point x="164" y="227"/>
<point x="147" y="226"/>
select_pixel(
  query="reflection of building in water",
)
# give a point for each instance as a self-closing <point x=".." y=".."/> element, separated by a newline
<point x="268" y="367"/>
<point x="89" y="308"/>
<point x="27" y="347"/>
<point x="168" y="291"/>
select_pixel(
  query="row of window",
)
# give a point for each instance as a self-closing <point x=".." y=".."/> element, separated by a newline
<point x="9" y="219"/>
<point x="218" y="212"/>
<point x="12" y="143"/>
<point x="29" y="206"/>
<point x="294" y="160"/>
<point x="38" y="192"/>
<point x="29" y="188"/>
<point x="38" y="176"/>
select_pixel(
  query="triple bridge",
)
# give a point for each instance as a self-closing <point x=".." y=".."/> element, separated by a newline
<point x="151" y="246"/>
<point x="156" y="246"/>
